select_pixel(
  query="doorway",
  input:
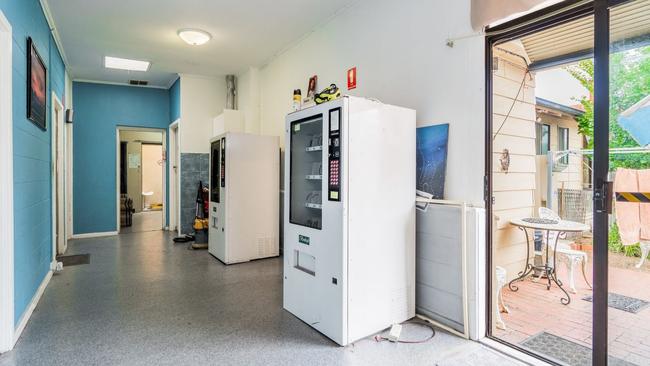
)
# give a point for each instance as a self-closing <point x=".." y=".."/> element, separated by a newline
<point x="174" y="168"/>
<point x="141" y="161"/>
<point x="561" y="85"/>
<point x="60" y="242"/>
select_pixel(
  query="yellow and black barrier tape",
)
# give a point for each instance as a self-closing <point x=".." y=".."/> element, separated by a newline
<point x="633" y="197"/>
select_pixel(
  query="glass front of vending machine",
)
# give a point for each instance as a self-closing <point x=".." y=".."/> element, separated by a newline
<point x="306" y="192"/>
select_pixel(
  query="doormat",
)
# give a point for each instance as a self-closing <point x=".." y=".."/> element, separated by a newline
<point x="73" y="260"/>
<point x="621" y="302"/>
<point x="565" y="351"/>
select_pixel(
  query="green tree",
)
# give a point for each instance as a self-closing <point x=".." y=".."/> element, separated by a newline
<point x="629" y="83"/>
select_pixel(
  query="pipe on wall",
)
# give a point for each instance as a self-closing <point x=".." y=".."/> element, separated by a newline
<point x="231" y="92"/>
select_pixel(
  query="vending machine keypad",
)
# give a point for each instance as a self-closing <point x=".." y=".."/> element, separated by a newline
<point x="334" y="183"/>
<point x="223" y="162"/>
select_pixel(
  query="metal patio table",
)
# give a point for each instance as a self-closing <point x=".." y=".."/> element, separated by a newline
<point x="560" y="227"/>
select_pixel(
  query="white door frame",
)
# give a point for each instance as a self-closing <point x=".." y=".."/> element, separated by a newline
<point x="7" y="191"/>
<point x="58" y="176"/>
<point x="68" y="163"/>
<point x="117" y="169"/>
<point x="174" y="177"/>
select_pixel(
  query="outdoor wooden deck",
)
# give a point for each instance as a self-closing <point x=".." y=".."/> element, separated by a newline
<point x="533" y="309"/>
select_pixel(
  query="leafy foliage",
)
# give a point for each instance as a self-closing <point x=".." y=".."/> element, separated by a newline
<point x="629" y="83"/>
<point x="615" y="244"/>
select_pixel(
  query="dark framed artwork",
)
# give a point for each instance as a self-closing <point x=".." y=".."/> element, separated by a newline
<point x="311" y="88"/>
<point x="36" y="87"/>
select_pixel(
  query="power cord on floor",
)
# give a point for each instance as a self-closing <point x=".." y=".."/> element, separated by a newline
<point x="380" y="338"/>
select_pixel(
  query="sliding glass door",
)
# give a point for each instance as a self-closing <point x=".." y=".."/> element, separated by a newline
<point x="568" y="89"/>
<point x="628" y="167"/>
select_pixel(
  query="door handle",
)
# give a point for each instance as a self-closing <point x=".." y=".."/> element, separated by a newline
<point x="604" y="197"/>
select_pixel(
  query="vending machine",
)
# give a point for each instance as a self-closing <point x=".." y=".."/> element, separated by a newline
<point x="244" y="197"/>
<point x="349" y="217"/>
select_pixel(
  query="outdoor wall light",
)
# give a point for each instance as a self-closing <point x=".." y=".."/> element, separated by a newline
<point x="194" y="37"/>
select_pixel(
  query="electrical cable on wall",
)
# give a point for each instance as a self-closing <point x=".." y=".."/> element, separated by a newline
<point x="512" y="106"/>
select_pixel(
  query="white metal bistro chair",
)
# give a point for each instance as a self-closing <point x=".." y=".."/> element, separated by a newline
<point x="502" y="279"/>
<point x="570" y="257"/>
<point x="645" y="250"/>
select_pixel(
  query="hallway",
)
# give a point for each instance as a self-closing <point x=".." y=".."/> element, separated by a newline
<point x="143" y="300"/>
<point x="144" y="221"/>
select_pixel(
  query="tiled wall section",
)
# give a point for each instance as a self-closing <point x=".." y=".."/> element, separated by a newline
<point x="194" y="168"/>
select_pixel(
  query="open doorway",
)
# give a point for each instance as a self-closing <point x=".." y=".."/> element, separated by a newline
<point x="174" y="162"/>
<point x="141" y="179"/>
<point x="60" y="242"/>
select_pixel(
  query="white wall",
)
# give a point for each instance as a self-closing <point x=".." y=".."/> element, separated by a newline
<point x="202" y="99"/>
<point x="401" y="57"/>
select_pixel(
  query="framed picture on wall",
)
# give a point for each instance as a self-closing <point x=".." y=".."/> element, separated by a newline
<point x="36" y="87"/>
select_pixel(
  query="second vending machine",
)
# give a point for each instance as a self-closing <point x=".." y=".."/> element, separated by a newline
<point x="244" y="197"/>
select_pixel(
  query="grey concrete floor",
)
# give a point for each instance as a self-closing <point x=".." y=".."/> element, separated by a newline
<point x="144" y="221"/>
<point x="144" y="300"/>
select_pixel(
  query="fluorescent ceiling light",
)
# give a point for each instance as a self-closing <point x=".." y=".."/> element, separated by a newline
<point x="125" y="64"/>
<point x="194" y="37"/>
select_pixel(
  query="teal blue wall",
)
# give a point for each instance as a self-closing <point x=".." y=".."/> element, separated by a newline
<point x="99" y="110"/>
<point x="175" y="101"/>
<point x="32" y="153"/>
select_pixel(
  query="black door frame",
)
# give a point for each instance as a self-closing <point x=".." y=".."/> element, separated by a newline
<point x="549" y="17"/>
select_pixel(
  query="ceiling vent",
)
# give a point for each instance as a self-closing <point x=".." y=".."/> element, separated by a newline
<point x="139" y="82"/>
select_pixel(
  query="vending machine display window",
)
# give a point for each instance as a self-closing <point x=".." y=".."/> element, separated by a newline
<point x="215" y="172"/>
<point x="307" y="172"/>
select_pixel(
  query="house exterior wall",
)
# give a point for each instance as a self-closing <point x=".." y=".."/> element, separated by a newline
<point x="573" y="176"/>
<point x="514" y="190"/>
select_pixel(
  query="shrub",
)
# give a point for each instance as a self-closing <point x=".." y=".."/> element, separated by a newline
<point x="615" y="243"/>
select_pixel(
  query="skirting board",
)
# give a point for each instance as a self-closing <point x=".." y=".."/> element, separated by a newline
<point x="94" y="235"/>
<point x="30" y="308"/>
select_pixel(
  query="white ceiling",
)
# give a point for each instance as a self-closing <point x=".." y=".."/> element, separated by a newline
<point x="244" y="33"/>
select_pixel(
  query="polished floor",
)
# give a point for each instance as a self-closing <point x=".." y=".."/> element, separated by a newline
<point x="144" y="300"/>
<point x="145" y="221"/>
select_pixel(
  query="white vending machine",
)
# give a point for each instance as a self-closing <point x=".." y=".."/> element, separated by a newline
<point x="349" y="217"/>
<point x="244" y="197"/>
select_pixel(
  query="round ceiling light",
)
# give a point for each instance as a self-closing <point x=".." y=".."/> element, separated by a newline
<point x="194" y="37"/>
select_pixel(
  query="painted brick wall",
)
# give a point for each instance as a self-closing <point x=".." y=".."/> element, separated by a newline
<point x="99" y="109"/>
<point x="175" y="101"/>
<point x="32" y="152"/>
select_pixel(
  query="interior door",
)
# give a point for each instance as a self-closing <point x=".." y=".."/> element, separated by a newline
<point x="61" y="242"/>
<point x="173" y="174"/>
<point x="68" y="181"/>
<point x="134" y="174"/>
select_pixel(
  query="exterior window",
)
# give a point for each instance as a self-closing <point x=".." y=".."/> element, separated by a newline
<point x="563" y="143"/>
<point x="542" y="138"/>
